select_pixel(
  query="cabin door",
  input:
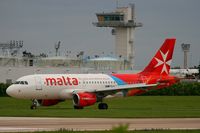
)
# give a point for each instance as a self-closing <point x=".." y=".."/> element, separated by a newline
<point x="38" y="82"/>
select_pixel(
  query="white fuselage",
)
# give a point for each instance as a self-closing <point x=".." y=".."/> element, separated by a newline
<point x="58" y="86"/>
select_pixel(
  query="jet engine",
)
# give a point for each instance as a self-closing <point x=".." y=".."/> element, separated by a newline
<point x="84" y="99"/>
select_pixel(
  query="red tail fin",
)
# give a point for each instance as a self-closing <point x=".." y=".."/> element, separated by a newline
<point x="160" y="63"/>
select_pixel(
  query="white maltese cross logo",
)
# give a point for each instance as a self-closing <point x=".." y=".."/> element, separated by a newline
<point x="163" y="61"/>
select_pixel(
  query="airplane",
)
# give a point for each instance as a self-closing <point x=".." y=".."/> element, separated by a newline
<point x="88" y="89"/>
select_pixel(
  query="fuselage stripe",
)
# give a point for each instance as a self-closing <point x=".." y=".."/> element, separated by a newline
<point x="117" y="80"/>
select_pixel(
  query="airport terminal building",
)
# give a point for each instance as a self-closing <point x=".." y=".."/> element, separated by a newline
<point x="12" y="68"/>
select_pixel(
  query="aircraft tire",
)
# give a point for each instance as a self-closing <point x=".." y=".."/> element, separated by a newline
<point x="33" y="107"/>
<point x="103" y="106"/>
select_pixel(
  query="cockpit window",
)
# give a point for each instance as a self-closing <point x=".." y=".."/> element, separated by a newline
<point x="17" y="82"/>
<point x="26" y="82"/>
<point x="21" y="82"/>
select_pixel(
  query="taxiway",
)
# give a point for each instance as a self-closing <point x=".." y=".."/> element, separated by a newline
<point x="25" y="124"/>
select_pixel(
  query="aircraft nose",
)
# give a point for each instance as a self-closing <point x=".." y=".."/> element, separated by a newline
<point x="11" y="91"/>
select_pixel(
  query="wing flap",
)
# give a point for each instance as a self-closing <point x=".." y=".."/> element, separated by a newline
<point x="123" y="87"/>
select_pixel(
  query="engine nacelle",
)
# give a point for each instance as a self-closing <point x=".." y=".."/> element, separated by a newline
<point x="49" y="102"/>
<point x="84" y="99"/>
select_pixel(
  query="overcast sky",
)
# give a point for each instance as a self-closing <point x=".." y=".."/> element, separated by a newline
<point x="41" y="23"/>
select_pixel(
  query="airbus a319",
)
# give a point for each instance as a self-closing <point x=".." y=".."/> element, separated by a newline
<point x="88" y="89"/>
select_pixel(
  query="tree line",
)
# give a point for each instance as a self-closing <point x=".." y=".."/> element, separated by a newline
<point x="179" y="89"/>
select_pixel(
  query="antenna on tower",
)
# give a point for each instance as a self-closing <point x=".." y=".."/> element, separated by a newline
<point x="57" y="46"/>
<point x="117" y="3"/>
<point x="11" y="48"/>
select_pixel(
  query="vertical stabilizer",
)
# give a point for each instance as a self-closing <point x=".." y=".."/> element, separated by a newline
<point x="160" y="63"/>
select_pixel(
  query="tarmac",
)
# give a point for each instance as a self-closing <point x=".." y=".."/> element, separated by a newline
<point x="30" y="124"/>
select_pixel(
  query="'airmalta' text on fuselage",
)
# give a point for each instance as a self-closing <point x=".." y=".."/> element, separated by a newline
<point x="61" y="81"/>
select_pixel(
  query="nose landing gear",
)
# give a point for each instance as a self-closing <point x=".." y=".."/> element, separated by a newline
<point x="35" y="104"/>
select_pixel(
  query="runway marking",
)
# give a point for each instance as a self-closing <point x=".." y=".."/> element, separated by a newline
<point x="26" y="124"/>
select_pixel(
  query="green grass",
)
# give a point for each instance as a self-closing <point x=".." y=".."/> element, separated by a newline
<point x="129" y="107"/>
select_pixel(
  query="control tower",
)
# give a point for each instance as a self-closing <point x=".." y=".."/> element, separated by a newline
<point x="186" y="49"/>
<point x="123" y="24"/>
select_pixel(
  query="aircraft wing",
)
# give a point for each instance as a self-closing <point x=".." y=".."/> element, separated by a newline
<point x="123" y="87"/>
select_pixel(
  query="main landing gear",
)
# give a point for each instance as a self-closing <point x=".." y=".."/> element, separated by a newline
<point x="103" y="106"/>
<point x="77" y="107"/>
